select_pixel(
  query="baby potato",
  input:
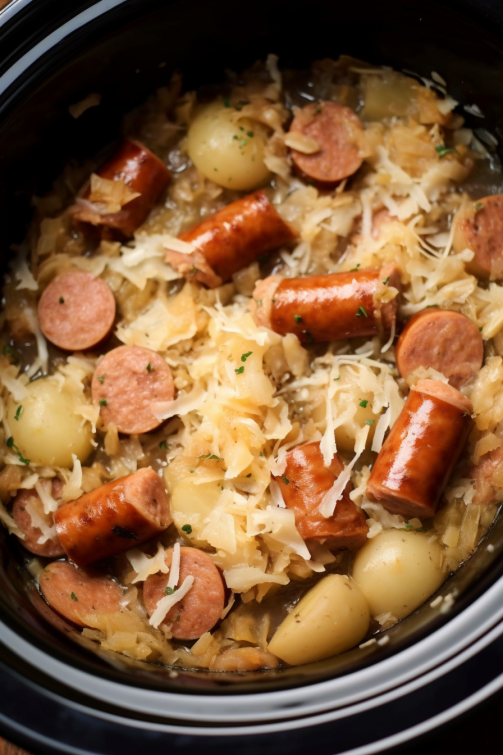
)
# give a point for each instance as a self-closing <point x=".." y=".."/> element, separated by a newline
<point x="330" y="619"/>
<point x="227" y="151"/>
<point x="397" y="571"/>
<point x="48" y="430"/>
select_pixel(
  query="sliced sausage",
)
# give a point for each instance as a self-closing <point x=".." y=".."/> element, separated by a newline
<point x="113" y="518"/>
<point x="143" y="173"/>
<point x="423" y="447"/>
<point x="488" y="478"/>
<point x="338" y="132"/>
<point x="478" y="225"/>
<point x="126" y="383"/>
<point x="82" y="596"/>
<point x="304" y="484"/>
<point x="51" y="548"/>
<point x="445" y="340"/>
<point x="320" y="308"/>
<point x="233" y="238"/>
<point x="200" y="609"/>
<point x="76" y="311"/>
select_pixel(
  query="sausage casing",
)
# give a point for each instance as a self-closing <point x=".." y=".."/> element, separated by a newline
<point x="238" y="235"/>
<point x="304" y="484"/>
<point x="113" y="518"/>
<point x="321" y="308"/>
<point x="421" y="451"/>
<point x="143" y="173"/>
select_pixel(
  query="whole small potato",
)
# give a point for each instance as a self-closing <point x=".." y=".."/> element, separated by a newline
<point x="48" y="430"/>
<point x="227" y="151"/>
<point x="331" y="618"/>
<point x="397" y="571"/>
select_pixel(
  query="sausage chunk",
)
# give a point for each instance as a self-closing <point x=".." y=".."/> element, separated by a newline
<point x="423" y="447"/>
<point x="200" y="609"/>
<point x="338" y="132"/>
<point x="478" y="225"/>
<point x="305" y="482"/>
<point x="488" y="478"/>
<point x="76" y="311"/>
<point x="79" y="595"/>
<point x="113" y="518"/>
<point x="231" y="239"/>
<point x="320" y="308"/>
<point x="143" y="173"/>
<point x="51" y="548"/>
<point x="445" y="340"/>
<point x="126" y="383"/>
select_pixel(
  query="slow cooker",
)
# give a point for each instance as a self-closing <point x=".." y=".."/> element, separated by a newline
<point x="61" y="695"/>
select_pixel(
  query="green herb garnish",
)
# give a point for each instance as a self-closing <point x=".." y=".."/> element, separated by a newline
<point x="73" y="596"/>
<point x="337" y="378"/>
<point x="11" y="444"/>
<point x="354" y="269"/>
<point x="101" y="378"/>
<point x="169" y="590"/>
<point x="285" y="480"/>
<point x="211" y="457"/>
<point x="369" y="421"/>
<point x="227" y="102"/>
<point x="250" y="134"/>
<point x="244" y="357"/>
<point x="297" y="318"/>
<point x="443" y="150"/>
<point x="361" y="312"/>
<point x="364" y="403"/>
<point x="386" y="281"/>
<point x="149" y="367"/>
<point x="239" y="370"/>
<point x="163" y="445"/>
<point x="18" y="412"/>
<point x="11" y="351"/>
<point x="187" y="528"/>
<point x="103" y="402"/>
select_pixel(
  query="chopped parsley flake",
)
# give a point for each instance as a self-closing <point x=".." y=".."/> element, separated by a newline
<point x="211" y="457"/>
<point x="297" y="318"/>
<point x="241" y="128"/>
<point x="364" y="403"/>
<point x="243" y="142"/>
<point x="11" y="444"/>
<point x="244" y="357"/>
<point x="235" y="136"/>
<point x="421" y="529"/>
<point x="409" y="527"/>
<point x="103" y="402"/>
<point x="354" y="269"/>
<point x="73" y="596"/>
<point x="337" y="378"/>
<point x="149" y="367"/>
<point x="163" y="445"/>
<point x="61" y="300"/>
<point x="443" y="150"/>
<point x="169" y="590"/>
<point x="361" y="312"/>
<point x="101" y="378"/>
<point x="480" y="330"/>
<point x="386" y="281"/>
<point x="479" y="206"/>
<point x="261" y="453"/>
<point x="285" y="479"/>
<point x="250" y="134"/>
<point x="187" y="528"/>
<point x="369" y="421"/>
<point x="18" y="412"/>
<point x="239" y="370"/>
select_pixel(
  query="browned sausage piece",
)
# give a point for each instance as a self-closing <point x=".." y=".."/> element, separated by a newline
<point x="338" y="132"/>
<point x="305" y="482"/>
<point x="320" y="308"/>
<point x="445" y="340"/>
<point x="142" y="172"/>
<point x="114" y="517"/>
<point x="126" y="383"/>
<point x="79" y="595"/>
<point x="488" y="478"/>
<point x="423" y="447"/>
<point x="200" y="609"/>
<point x="478" y="225"/>
<point x="76" y="311"/>
<point x="52" y="548"/>
<point x="231" y="239"/>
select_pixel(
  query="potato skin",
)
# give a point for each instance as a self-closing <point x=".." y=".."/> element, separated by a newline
<point x="48" y="430"/>
<point x="220" y="146"/>
<point x="397" y="571"/>
<point x="330" y="619"/>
